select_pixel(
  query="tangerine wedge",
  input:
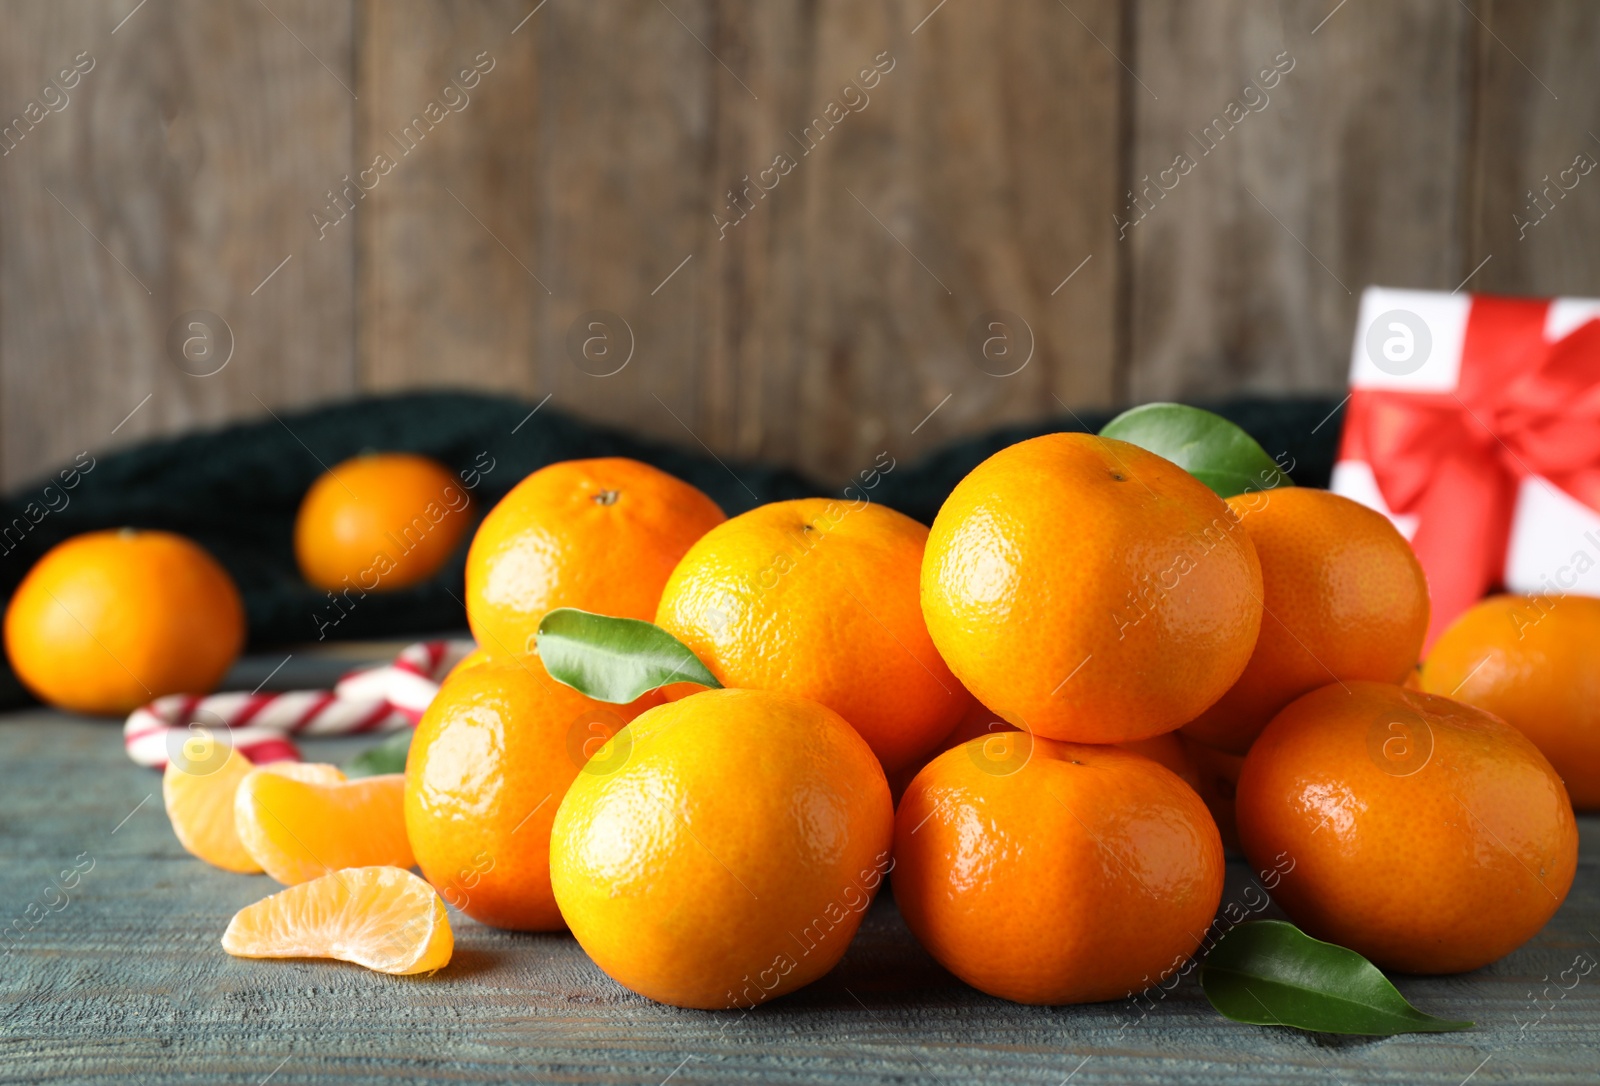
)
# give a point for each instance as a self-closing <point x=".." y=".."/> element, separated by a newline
<point x="383" y="918"/>
<point x="199" y="796"/>
<point x="299" y="828"/>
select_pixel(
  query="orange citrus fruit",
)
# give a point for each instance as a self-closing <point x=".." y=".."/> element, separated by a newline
<point x="476" y="658"/>
<point x="819" y="598"/>
<point x="108" y="621"/>
<point x="491" y="759"/>
<point x="1217" y="780"/>
<point x="1168" y="749"/>
<point x="383" y="918"/>
<point x="379" y="522"/>
<point x="726" y="852"/>
<point x="199" y="796"/>
<point x="1344" y="598"/>
<point x="1425" y="834"/>
<point x="301" y="822"/>
<point x="981" y="722"/>
<point x="976" y="721"/>
<point x="1088" y="590"/>
<point x="1533" y="661"/>
<point x="599" y="535"/>
<point x="1049" y="872"/>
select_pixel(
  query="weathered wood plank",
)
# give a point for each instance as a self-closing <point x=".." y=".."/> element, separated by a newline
<point x="1536" y="211"/>
<point x="177" y="175"/>
<point x="449" y="269"/>
<point x="789" y="325"/>
<point x="1013" y="164"/>
<point x="835" y="316"/>
<point x="1345" y="171"/>
<point x="125" y="982"/>
<point x="624" y="149"/>
<point x="945" y="164"/>
<point x="569" y="184"/>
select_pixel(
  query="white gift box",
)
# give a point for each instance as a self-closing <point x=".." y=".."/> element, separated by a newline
<point x="1491" y="380"/>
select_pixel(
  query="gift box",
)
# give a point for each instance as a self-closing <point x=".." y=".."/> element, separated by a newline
<point x="1473" y="423"/>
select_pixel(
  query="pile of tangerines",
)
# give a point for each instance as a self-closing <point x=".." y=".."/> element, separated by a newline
<point x="1040" y="720"/>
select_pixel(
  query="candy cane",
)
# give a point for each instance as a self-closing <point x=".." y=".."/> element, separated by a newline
<point x="260" y="726"/>
<point x="410" y="682"/>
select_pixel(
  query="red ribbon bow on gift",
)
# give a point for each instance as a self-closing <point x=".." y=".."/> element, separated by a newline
<point x="1524" y="405"/>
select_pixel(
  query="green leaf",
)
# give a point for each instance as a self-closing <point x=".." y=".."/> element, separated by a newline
<point x="388" y="756"/>
<point x="1207" y="446"/>
<point x="1270" y="973"/>
<point x="615" y="659"/>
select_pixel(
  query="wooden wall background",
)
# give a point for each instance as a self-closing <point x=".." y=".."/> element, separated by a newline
<point x="985" y="173"/>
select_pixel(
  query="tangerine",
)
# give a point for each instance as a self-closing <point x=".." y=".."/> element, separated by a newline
<point x="980" y="722"/>
<point x="976" y="722"/>
<point x="1533" y="661"/>
<point x="1427" y="835"/>
<point x="476" y="658"/>
<point x="818" y="598"/>
<point x="1170" y="750"/>
<point x="1051" y="872"/>
<point x="1343" y="598"/>
<point x="491" y="758"/>
<point x="1086" y="589"/>
<point x="1217" y="781"/>
<point x="379" y="522"/>
<point x="600" y="535"/>
<point x="110" y="620"/>
<point x="726" y="858"/>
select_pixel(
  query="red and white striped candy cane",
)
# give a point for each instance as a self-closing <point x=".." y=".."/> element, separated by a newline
<point x="409" y="683"/>
<point x="260" y="726"/>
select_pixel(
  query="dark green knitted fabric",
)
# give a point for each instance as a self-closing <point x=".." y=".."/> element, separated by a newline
<point x="235" y="490"/>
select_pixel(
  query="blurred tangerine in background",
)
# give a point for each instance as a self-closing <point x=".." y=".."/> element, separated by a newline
<point x="110" y="620"/>
<point x="379" y="522"/>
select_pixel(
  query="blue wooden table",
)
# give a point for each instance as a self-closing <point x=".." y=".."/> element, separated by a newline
<point x="119" y="978"/>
